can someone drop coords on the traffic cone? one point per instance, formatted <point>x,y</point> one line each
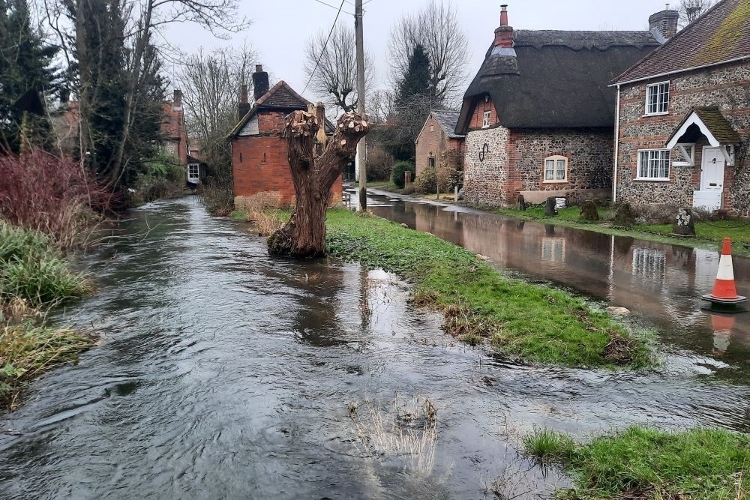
<point>724,291</point>
<point>722,326</point>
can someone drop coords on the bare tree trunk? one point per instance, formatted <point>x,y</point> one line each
<point>315,168</point>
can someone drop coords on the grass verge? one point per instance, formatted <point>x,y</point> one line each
<point>33,278</point>
<point>524,322</point>
<point>648,463</point>
<point>709,234</point>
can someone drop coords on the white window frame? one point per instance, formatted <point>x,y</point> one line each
<point>687,152</point>
<point>556,160</point>
<point>486,119</point>
<point>193,171</point>
<point>655,156</point>
<point>661,103</point>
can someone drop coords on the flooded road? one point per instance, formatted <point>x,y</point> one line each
<point>661,283</point>
<point>224,373</point>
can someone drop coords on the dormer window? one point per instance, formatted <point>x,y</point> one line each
<point>657,98</point>
<point>486,119</point>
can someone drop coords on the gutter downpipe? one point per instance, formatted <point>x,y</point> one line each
<point>617,145</point>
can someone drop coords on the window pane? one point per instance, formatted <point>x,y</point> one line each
<point>560,170</point>
<point>549,170</point>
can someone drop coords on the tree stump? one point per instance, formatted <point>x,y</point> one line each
<point>589,211</point>
<point>624,216</point>
<point>315,166</point>
<point>521,203</point>
<point>550,207</point>
<point>684,223</point>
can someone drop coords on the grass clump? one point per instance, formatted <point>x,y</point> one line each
<point>648,463</point>
<point>31,269</point>
<point>527,322</point>
<point>33,278</point>
<point>27,350</point>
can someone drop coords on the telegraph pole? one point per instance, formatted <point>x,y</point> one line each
<point>359,40</point>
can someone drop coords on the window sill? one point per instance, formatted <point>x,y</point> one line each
<point>651,179</point>
<point>656,114</point>
<point>564,181</point>
<point>682,164</point>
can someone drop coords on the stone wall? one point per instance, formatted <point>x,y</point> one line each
<point>589,153</point>
<point>485,176</point>
<point>727,87</point>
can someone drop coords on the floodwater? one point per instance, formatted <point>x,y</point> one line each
<point>224,373</point>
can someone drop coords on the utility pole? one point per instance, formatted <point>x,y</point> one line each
<point>359,40</point>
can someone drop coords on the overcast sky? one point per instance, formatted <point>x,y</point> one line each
<point>281,28</point>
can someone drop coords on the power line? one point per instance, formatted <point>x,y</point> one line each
<point>325,45</point>
<point>334,7</point>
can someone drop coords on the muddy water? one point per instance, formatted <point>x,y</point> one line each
<point>226,374</point>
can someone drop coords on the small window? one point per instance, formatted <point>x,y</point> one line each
<point>193,172</point>
<point>653,164</point>
<point>486,119</point>
<point>431,162</point>
<point>657,98</point>
<point>556,169</point>
<point>685,155</point>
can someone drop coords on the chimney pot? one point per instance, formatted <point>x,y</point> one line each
<point>504,34</point>
<point>177,99</point>
<point>260,82</point>
<point>243,107</point>
<point>504,15</point>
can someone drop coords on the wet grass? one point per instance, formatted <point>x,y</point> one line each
<point>524,322</point>
<point>28,350</point>
<point>648,463</point>
<point>33,279</point>
<point>709,234</point>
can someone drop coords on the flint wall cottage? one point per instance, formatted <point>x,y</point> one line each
<point>684,117</point>
<point>539,115</point>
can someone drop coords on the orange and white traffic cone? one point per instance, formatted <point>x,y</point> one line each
<point>724,291</point>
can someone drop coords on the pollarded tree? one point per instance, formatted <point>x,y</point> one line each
<point>316,163</point>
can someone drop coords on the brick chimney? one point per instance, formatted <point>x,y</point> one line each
<point>504,34</point>
<point>664,21</point>
<point>243,106</point>
<point>260,82</point>
<point>177,100</point>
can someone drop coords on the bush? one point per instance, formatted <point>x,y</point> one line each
<point>399,168</point>
<point>426,182</point>
<point>42,192</point>
<point>379,163</point>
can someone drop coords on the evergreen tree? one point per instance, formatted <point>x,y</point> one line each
<point>414,97</point>
<point>25,71</point>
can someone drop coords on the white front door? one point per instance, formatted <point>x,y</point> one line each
<point>712,180</point>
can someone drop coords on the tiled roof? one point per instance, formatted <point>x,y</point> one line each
<point>279,97</point>
<point>448,120</point>
<point>720,35</point>
<point>714,121</point>
<point>552,79</point>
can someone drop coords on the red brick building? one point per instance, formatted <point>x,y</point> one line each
<point>260,161</point>
<point>684,118</point>
<point>539,114</point>
<point>174,141</point>
<point>438,142</point>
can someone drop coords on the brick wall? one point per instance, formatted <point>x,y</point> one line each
<point>434,142</point>
<point>728,87</point>
<point>260,163</point>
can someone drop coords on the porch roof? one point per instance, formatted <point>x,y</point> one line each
<point>711,124</point>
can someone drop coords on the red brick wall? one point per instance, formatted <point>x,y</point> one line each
<point>260,164</point>
<point>430,143</point>
<point>477,119</point>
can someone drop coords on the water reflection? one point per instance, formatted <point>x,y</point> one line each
<point>661,282</point>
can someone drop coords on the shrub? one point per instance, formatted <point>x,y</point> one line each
<point>43,192</point>
<point>399,168</point>
<point>379,163</point>
<point>426,182</point>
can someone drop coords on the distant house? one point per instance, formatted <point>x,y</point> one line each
<point>684,117</point>
<point>259,151</point>
<point>438,142</point>
<point>539,115</point>
<point>173,134</point>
